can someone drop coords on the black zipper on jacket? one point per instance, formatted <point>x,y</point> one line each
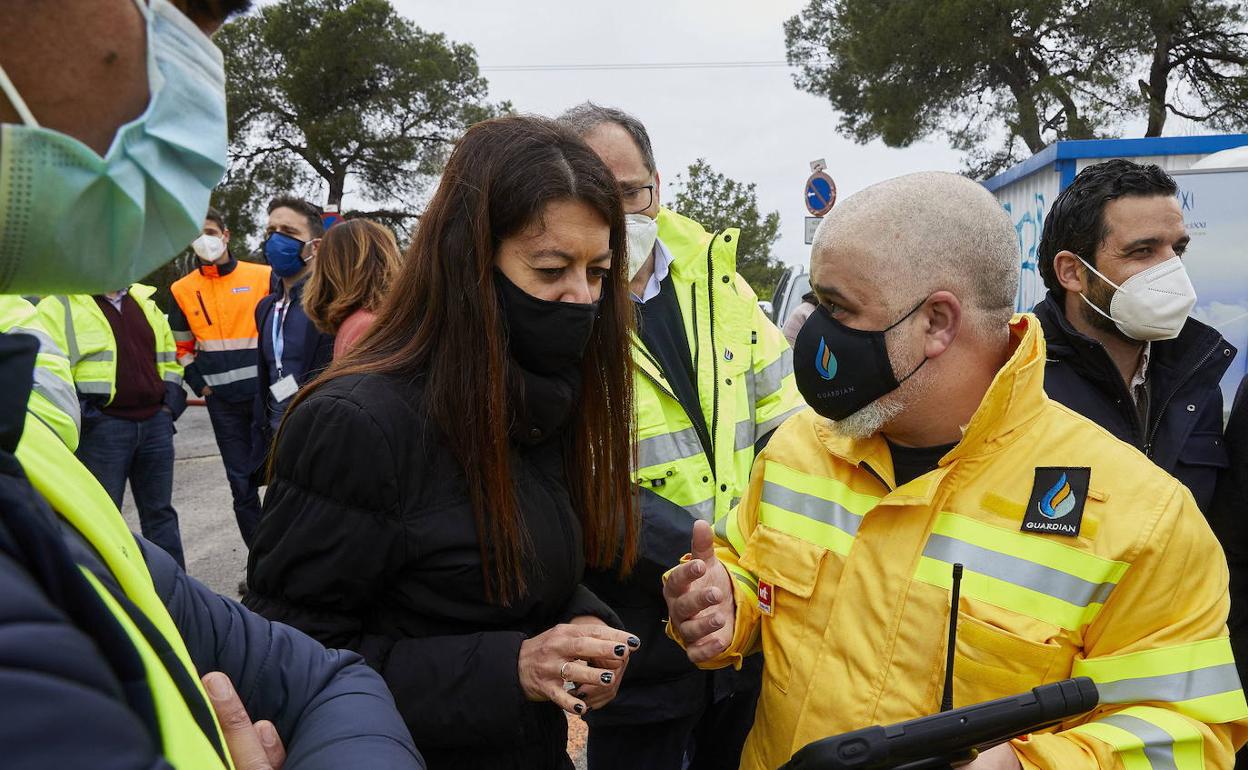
<point>697,342</point>
<point>697,369</point>
<point>710,310</point>
<point>203,307</point>
<point>1148,445</point>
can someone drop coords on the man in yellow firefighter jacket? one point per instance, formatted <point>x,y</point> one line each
<point>931,442</point>
<point>714,380</point>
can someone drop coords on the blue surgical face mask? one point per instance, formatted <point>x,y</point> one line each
<point>74,222</point>
<point>284,253</point>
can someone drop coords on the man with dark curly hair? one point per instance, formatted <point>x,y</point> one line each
<point>1122,350</point>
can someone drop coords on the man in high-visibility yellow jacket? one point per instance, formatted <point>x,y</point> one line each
<point>110,143</point>
<point>53,399</point>
<point>930,443</point>
<point>714,380</point>
<point>129,382</point>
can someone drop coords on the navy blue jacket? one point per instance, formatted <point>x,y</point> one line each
<point>1229,520</point>
<point>318,349</point>
<point>1184,431</point>
<point>71,686</point>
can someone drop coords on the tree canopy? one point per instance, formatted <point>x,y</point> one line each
<point>347,95</point>
<point>1004,78</point>
<point>716,202</point>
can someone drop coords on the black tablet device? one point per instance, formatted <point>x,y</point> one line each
<point>940,739</point>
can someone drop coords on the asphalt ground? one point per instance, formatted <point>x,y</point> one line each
<point>215,554</point>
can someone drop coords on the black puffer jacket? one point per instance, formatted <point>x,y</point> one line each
<point>1184,434</point>
<point>368,542</point>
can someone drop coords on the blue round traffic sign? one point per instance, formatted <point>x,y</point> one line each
<point>820,194</point>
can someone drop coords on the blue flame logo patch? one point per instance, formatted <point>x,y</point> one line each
<point>1058,501</point>
<point>825,362</point>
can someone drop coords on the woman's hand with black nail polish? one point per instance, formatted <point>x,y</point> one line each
<point>587,653</point>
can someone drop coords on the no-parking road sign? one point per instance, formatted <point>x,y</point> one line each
<point>820,193</point>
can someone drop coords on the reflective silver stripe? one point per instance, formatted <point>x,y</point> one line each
<point>173,377</point>
<point>1171,688</point>
<point>776,422</point>
<point>744,435</point>
<point>234,375</point>
<point>94,388</point>
<point>166,357</point>
<point>241,343</point>
<point>98,357</point>
<point>1158,744</point>
<point>745,581</point>
<point>1020,572</point>
<point>59,393</point>
<point>186,360</point>
<point>704,510</point>
<point>183,336</point>
<point>70,338</point>
<point>46,343</point>
<point>773,374</point>
<point>667,447</point>
<point>811,507</point>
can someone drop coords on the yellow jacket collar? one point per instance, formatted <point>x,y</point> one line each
<point>688,242</point>
<point>1015,398</point>
<point>141,291</point>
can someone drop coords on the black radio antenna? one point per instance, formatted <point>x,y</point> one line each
<point>946,699</point>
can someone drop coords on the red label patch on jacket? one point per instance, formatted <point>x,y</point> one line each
<point>766,593</point>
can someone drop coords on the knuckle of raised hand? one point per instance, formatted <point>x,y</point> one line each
<point>235,718</point>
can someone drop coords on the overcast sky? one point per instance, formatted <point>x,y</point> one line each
<point>749,123</point>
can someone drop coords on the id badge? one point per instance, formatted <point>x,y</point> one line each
<point>284,388</point>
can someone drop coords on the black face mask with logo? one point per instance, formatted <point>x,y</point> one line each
<point>840,370</point>
<point>545,337</point>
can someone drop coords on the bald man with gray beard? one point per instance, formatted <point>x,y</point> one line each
<point>930,443</point>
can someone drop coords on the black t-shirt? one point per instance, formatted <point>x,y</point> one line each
<point>662,329</point>
<point>911,462</point>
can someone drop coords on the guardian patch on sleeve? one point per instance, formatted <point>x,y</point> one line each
<point>1057,498</point>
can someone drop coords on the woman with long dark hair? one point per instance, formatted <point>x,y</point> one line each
<point>435,496</point>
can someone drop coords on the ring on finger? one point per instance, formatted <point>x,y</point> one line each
<point>568,685</point>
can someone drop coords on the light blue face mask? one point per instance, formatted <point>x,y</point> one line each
<point>73,222</point>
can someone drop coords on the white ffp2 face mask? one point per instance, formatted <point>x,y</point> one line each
<point>208,248</point>
<point>642,233</point>
<point>1151,305</point>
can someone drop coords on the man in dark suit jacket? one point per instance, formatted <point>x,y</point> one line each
<point>1228,515</point>
<point>1130,358</point>
<point>291,351</point>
